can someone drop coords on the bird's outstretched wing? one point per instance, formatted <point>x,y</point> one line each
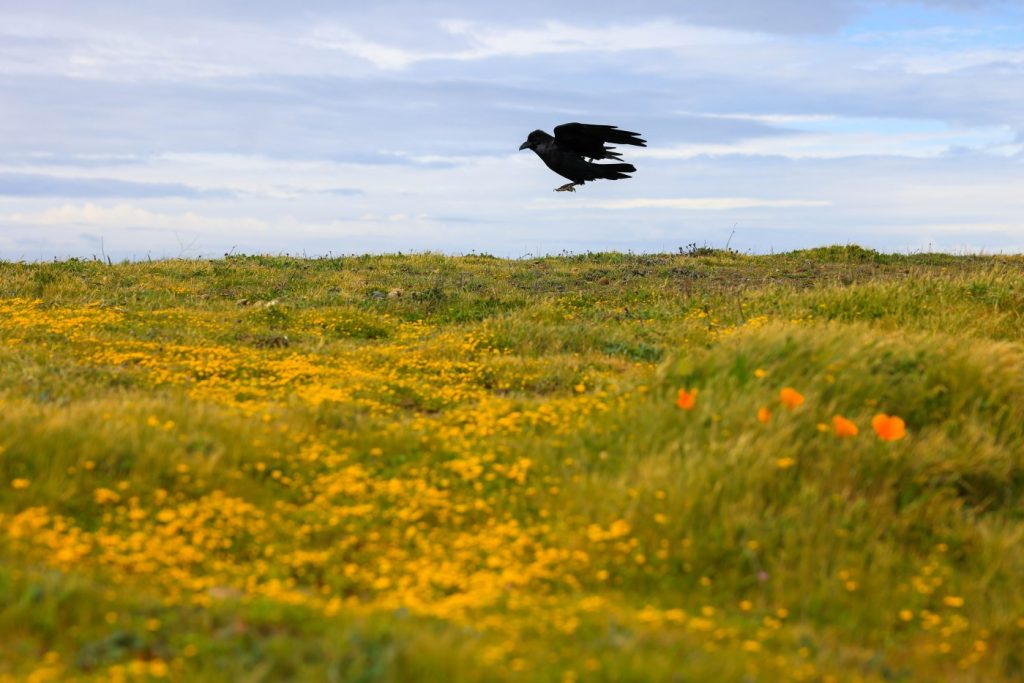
<point>589,140</point>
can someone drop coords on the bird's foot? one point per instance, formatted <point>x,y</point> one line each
<point>568,187</point>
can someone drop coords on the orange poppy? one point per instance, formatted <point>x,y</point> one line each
<point>843,427</point>
<point>763,415</point>
<point>686,399</point>
<point>889,427</point>
<point>791,398</point>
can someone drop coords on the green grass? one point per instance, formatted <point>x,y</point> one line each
<point>423,468</point>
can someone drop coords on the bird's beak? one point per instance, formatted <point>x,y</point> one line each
<point>525,145</point>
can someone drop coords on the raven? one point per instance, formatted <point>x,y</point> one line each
<point>568,152</point>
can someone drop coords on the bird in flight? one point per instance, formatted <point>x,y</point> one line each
<point>572,150</point>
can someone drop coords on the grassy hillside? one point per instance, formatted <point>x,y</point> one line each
<point>421,468</point>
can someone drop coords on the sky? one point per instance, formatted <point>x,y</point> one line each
<point>195,128</point>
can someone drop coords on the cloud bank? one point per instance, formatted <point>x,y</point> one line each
<point>315,128</point>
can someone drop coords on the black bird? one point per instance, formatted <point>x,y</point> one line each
<point>574,147</point>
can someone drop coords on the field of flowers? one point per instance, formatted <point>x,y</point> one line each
<point>691,467</point>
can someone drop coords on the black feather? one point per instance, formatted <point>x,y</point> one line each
<point>590,140</point>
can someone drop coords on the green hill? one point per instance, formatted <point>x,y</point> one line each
<point>582,468</point>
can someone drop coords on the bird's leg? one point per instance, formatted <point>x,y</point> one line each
<point>568,187</point>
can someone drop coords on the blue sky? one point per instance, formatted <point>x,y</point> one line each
<point>195,128</point>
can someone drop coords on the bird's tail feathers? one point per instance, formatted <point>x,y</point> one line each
<point>615,171</point>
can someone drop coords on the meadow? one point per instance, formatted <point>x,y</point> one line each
<point>701,466</point>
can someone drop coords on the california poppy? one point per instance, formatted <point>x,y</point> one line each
<point>791,398</point>
<point>843,427</point>
<point>889,427</point>
<point>686,399</point>
<point>763,415</point>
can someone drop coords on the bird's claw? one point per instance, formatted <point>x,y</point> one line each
<point>568,187</point>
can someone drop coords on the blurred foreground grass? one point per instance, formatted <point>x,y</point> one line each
<point>422,468</point>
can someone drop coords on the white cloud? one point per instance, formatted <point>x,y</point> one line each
<point>122,216</point>
<point>837,145</point>
<point>943,63</point>
<point>347,41</point>
<point>773,119</point>
<point>546,38</point>
<point>704,203</point>
<point>552,37</point>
